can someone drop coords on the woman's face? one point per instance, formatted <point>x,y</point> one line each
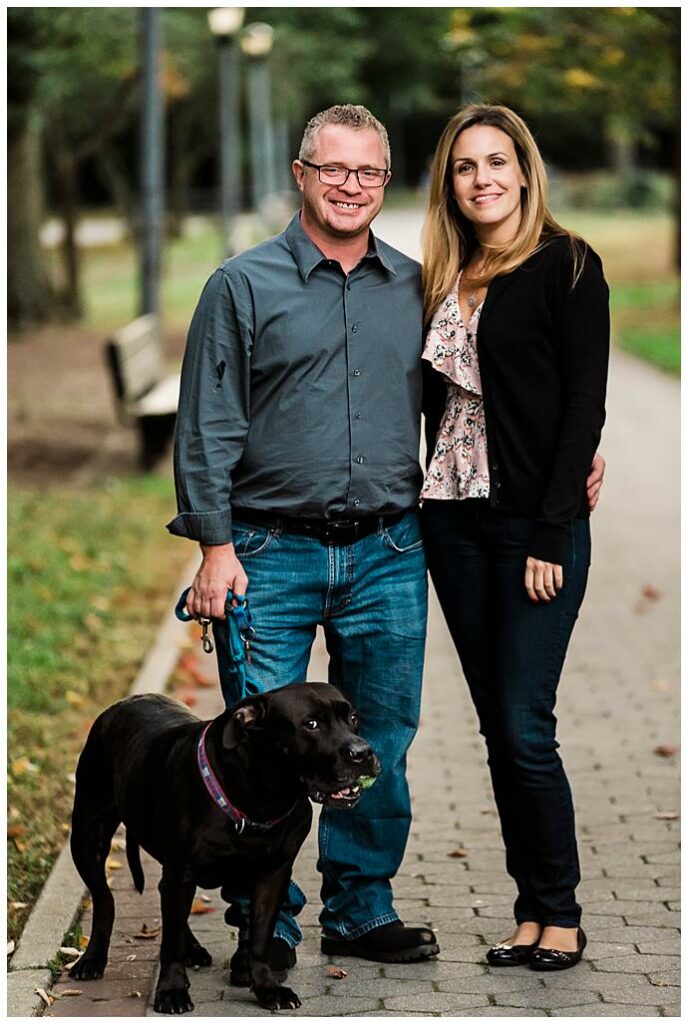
<point>487,181</point>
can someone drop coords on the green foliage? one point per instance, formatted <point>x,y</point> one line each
<point>616,65</point>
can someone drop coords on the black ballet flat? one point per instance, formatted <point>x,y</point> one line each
<point>510,956</point>
<point>558,959</point>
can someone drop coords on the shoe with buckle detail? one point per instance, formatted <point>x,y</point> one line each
<point>558,959</point>
<point>503,955</point>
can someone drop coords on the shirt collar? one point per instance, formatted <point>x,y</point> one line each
<point>307,255</point>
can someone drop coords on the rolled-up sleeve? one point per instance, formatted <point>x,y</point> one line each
<point>213,415</point>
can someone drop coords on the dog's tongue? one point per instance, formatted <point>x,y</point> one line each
<point>342,793</point>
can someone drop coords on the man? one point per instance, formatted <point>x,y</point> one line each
<point>296,466</point>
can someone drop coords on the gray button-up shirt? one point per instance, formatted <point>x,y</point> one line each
<point>301,388</point>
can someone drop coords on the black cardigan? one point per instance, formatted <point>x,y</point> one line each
<point>543,350</point>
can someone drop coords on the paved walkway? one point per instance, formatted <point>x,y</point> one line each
<point>618,704</point>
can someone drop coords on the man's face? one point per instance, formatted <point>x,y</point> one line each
<point>341,211</point>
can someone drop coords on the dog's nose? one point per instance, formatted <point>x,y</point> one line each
<point>358,751</point>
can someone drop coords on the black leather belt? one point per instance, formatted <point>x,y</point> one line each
<point>327,531</point>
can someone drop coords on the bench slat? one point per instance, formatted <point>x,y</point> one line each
<point>162,399</point>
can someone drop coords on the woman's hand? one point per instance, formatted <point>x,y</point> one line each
<point>543,579</point>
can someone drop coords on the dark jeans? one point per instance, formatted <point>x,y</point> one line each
<point>512,652</point>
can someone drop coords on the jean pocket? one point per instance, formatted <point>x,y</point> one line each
<point>404,536</point>
<point>251,540</point>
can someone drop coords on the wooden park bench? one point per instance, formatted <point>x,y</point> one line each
<point>145,395</point>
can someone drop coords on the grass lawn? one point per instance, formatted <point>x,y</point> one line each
<point>90,575</point>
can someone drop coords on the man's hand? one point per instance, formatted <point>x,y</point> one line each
<point>595,480</point>
<point>543,579</point>
<point>220,571</point>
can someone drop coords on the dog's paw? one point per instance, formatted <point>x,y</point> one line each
<point>88,968</point>
<point>173,1000</point>
<point>280,998</point>
<point>198,956</point>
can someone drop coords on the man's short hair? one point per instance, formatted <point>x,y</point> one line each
<point>348,115</point>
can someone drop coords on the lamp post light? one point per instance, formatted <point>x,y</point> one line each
<point>224,23</point>
<point>256,43</point>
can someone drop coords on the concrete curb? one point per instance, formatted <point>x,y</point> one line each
<point>58,904</point>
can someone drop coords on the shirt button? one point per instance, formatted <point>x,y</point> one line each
<point>357,415</point>
<point>357,373</point>
<point>360,459</point>
<point>495,466</point>
<point>357,502</point>
<point>354,329</point>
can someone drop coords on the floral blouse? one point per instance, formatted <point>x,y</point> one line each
<point>459,465</point>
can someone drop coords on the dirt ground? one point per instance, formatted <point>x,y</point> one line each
<point>62,425</point>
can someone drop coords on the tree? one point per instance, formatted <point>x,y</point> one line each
<point>30,299</point>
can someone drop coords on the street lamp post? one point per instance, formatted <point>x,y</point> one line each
<point>256,43</point>
<point>152,157</point>
<point>224,23</point>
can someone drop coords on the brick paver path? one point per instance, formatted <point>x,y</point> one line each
<point>618,703</point>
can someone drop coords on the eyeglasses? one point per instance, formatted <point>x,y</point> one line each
<point>367,177</point>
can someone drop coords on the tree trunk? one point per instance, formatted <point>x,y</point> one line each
<point>69,207</point>
<point>30,298</point>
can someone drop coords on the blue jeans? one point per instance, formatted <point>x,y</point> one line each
<point>371,599</point>
<point>512,653</point>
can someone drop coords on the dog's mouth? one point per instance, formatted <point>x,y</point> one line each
<point>347,796</point>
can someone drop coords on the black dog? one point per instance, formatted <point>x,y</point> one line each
<point>153,765</point>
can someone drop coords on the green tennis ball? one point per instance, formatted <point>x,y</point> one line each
<point>366,781</point>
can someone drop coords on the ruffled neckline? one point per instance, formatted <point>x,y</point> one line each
<point>450,345</point>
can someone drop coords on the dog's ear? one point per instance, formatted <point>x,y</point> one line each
<point>248,716</point>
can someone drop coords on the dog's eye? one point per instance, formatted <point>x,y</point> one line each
<point>311,724</point>
<point>354,719</point>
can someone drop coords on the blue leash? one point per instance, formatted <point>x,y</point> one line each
<point>240,634</point>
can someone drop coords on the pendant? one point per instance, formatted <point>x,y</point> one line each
<point>471,300</point>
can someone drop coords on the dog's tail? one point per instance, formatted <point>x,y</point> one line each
<point>134,860</point>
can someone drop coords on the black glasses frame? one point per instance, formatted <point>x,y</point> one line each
<point>347,171</point>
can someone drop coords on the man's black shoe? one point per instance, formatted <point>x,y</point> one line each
<point>282,958</point>
<point>389,944</point>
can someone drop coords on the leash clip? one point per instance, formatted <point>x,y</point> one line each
<point>240,825</point>
<point>206,640</point>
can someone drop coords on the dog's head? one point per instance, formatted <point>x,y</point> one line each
<point>309,730</point>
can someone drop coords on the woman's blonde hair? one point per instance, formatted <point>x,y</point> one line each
<point>449,238</point>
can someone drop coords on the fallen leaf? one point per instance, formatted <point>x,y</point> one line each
<point>17,905</point>
<point>69,966</point>
<point>651,593</point>
<point>660,685</point>
<point>658,984</point>
<point>197,907</point>
<point>190,666</point>
<point>71,992</point>
<point>23,765</point>
<point>147,933</point>
<point>48,1000</point>
<point>337,972</point>
<point>132,956</point>
<point>70,951</point>
<point>117,844</point>
<point>13,832</point>
<point>65,826</point>
<point>10,947</point>
<point>190,699</point>
<point>21,847</point>
<point>71,777</point>
<point>665,750</point>
<point>13,812</point>
<point>458,853</point>
<point>667,815</point>
<point>206,899</point>
<point>134,994</point>
<point>74,699</point>
<point>83,941</point>
<point>112,864</point>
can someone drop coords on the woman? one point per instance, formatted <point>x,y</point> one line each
<point>516,366</point>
